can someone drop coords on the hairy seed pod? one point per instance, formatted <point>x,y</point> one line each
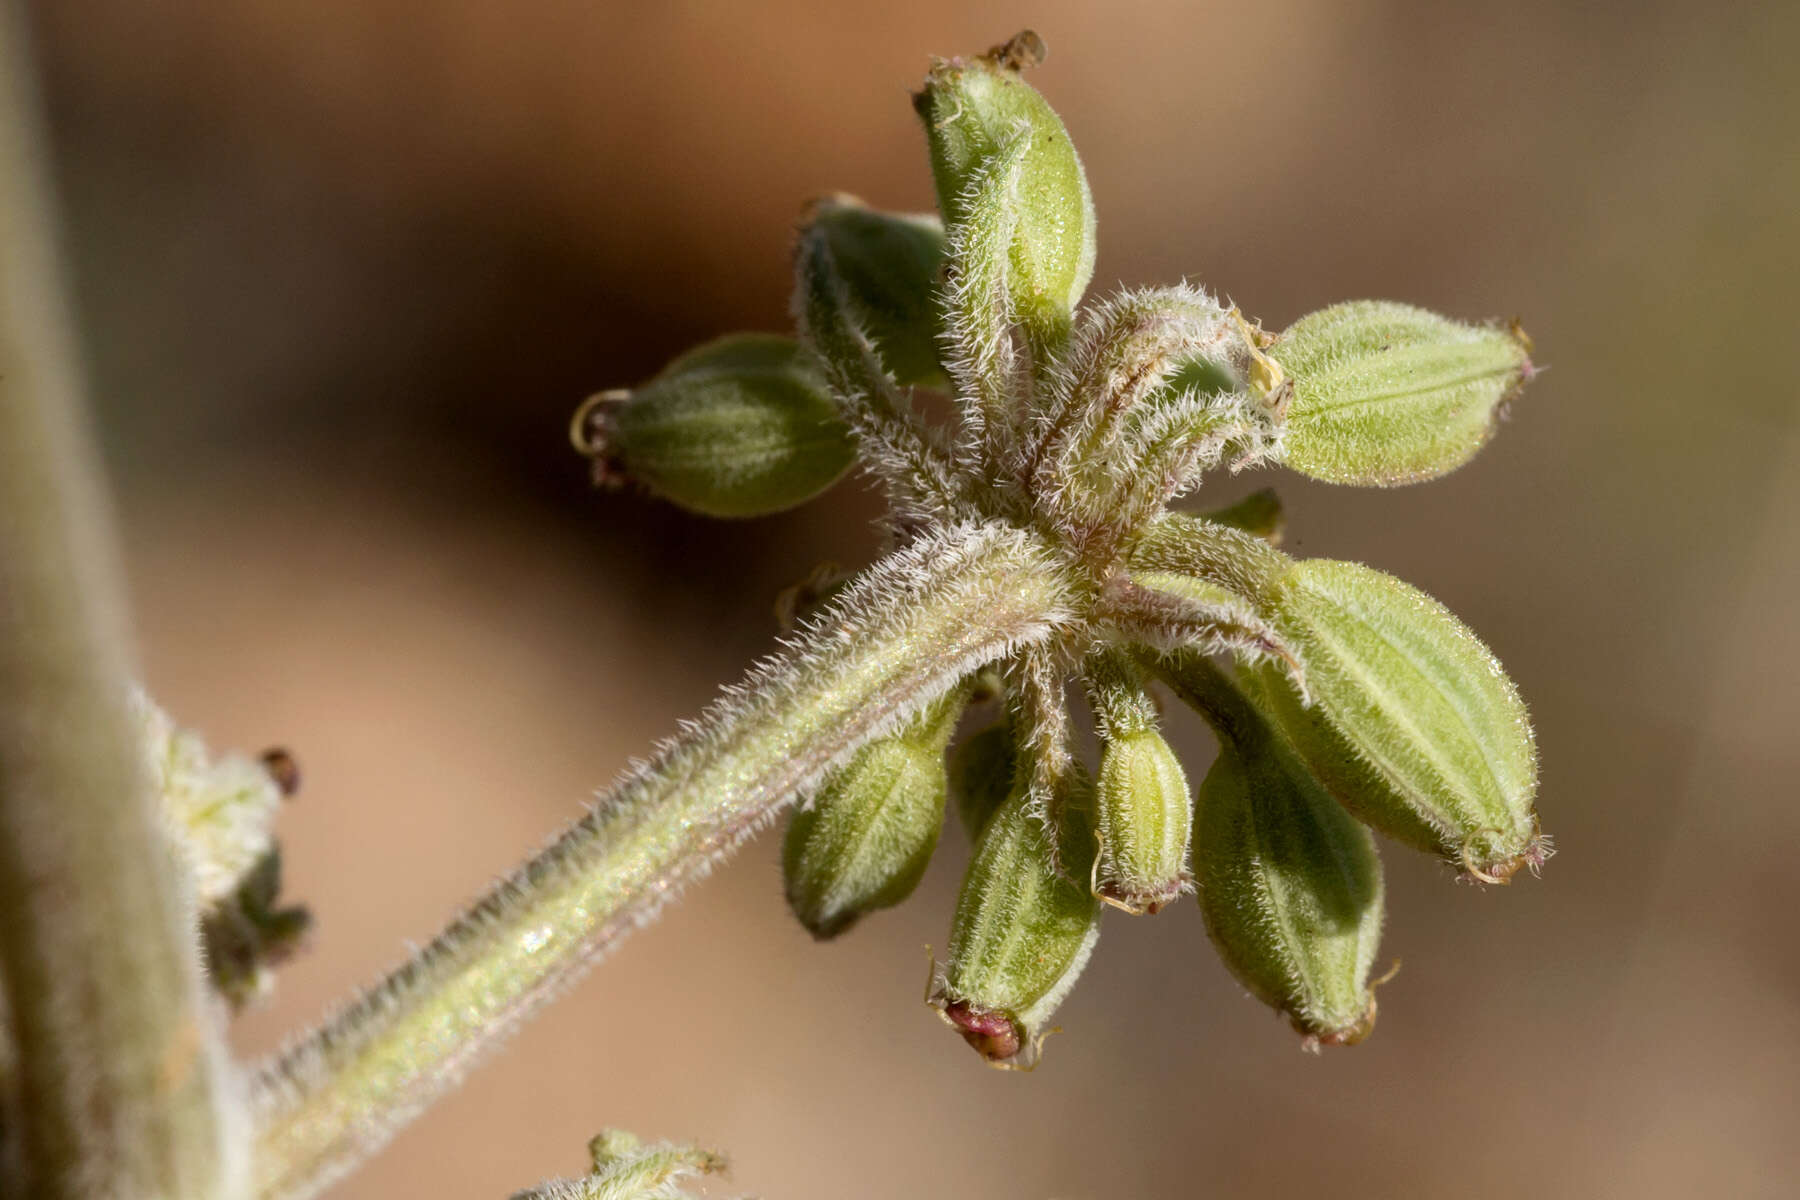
<point>889,263</point>
<point>1222,553</point>
<point>739,427</point>
<point>971,108</point>
<point>1289,883</point>
<point>981,775</point>
<point>1414,725</point>
<point>864,842</point>
<point>1387,394</point>
<point>1020,937</point>
<point>1142,813</point>
<point>1144,818</point>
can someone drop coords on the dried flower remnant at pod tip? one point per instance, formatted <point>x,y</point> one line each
<point>1349,701</point>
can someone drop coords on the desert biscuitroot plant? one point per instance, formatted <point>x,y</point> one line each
<point>1032,558</point>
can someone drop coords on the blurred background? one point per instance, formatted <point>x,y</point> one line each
<point>345,266</point>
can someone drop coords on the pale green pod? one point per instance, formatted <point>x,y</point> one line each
<point>1387,394</point>
<point>740,427</point>
<point>1143,816</point>
<point>864,842</point>
<point>1289,883</point>
<point>1413,725</point>
<point>1020,937</point>
<point>971,108</point>
<point>981,775</point>
<point>890,265</point>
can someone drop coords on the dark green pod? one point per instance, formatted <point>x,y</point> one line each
<point>1259,514</point>
<point>740,427</point>
<point>1021,935</point>
<point>864,842</point>
<point>1289,883</point>
<point>981,775</point>
<point>890,264</point>
<point>971,108</point>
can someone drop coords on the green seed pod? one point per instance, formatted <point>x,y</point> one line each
<point>865,840</point>
<point>971,109</point>
<point>1142,813</point>
<point>1413,725</point>
<point>1290,885</point>
<point>739,427</point>
<point>1259,514</point>
<point>889,262</point>
<point>1386,394</point>
<point>1021,935</point>
<point>981,775</point>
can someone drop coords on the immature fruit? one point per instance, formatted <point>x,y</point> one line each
<point>971,109</point>
<point>1289,883</point>
<point>1258,514</point>
<point>740,427</point>
<point>889,263</point>
<point>1144,817</point>
<point>1020,937</point>
<point>981,775</point>
<point>864,842</point>
<point>1413,725</point>
<point>1142,813</point>
<point>1386,393</point>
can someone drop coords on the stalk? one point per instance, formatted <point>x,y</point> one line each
<point>914,625</point>
<point>117,1084</point>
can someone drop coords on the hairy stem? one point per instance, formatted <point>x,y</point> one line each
<point>909,629</point>
<point>118,1079</point>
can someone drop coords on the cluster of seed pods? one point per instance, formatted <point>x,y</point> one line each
<point>1345,702</point>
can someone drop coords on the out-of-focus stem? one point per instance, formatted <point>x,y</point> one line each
<point>907,631</point>
<point>117,1075</point>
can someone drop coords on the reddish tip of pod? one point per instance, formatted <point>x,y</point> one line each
<point>994,1035</point>
<point>1350,1035</point>
<point>1501,871</point>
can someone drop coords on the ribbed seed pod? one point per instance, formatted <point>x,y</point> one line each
<point>1290,885</point>
<point>739,427</point>
<point>864,842</point>
<point>973,107</point>
<point>1387,394</point>
<point>890,264</point>
<point>1142,812</point>
<point>1414,725</point>
<point>981,775</point>
<point>1020,937</point>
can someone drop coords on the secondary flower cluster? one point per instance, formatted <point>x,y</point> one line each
<point>1344,700</point>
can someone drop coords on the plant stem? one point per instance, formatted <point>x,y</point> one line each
<point>118,1081</point>
<point>908,630</point>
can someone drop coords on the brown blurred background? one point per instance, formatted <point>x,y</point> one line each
<point>344,267</point>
